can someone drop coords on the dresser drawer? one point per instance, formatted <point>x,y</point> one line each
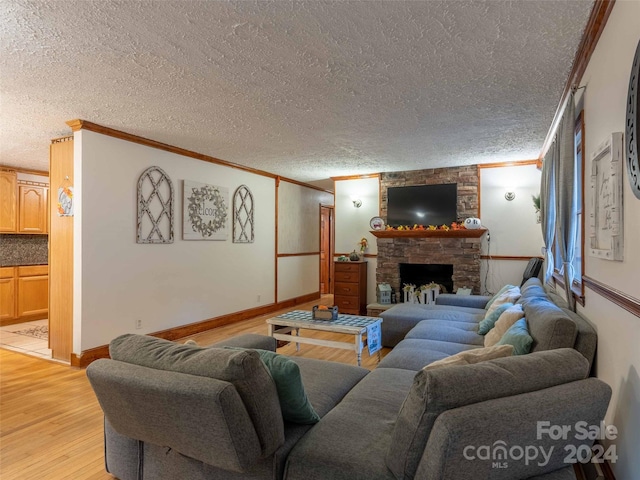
<point>347,289</point>
<point>347,267</point>
<point>347,276</point>
<point>346,304</point>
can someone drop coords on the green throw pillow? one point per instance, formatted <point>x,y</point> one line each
<point>491,318</point>
<point>518,336</point>
<point>500,292</point>
<point>294,403</point>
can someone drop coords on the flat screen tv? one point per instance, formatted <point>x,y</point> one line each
<point>422,205</point>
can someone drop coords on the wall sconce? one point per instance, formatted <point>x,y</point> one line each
<point>357,203</point>
<point>509,196</point>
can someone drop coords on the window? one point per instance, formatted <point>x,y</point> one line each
<point>578,259</point>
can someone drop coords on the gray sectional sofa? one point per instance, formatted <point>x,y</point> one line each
<point>177,411</point>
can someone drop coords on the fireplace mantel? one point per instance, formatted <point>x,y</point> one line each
<point>462,233</point>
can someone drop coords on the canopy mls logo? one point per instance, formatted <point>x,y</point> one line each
<point>500,453</point>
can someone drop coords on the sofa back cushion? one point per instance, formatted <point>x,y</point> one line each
<point>436,391</point>
<point>242,368</point>
<point>190,414</point>
<point>549,326</point>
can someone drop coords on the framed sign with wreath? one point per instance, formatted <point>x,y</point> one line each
<point>205,215</point>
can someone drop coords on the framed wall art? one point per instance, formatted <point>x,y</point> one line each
<point>155,207</point>
<point>205,212</point>
<point>632,130</point>
<point>243,215</point>
<point>606,215</point>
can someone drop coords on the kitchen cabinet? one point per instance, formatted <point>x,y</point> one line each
<point>33,291</point>
<point>7,293</point>
<point>8,201</point>
<point>24,293</point>
<point>350,290</point>
<point>32,209</point>
<point>23,204</point>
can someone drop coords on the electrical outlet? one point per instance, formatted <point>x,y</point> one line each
<point>138,323</point>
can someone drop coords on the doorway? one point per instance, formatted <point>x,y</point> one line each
<point>326,249</point>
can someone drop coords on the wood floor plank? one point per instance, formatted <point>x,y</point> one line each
<point>51,423</point>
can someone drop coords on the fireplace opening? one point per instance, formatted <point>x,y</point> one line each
<point>422,274</point>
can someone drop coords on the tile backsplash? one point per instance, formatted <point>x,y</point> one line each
<point>23,250</point>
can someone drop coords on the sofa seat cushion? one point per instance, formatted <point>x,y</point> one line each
<point>436,391</point>
<point>242,368</point>
<point>415,353</point>
<point>326,383</point>
<point>401,318</point>
<point>444,331</point>
<point>351,441</point>
<point>441,312</point>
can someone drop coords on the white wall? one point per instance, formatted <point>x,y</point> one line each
<point>299,232</point>
<point>352,223</point>
<point>513,230</point>
<point>618,357</point>
<point>118,281</point>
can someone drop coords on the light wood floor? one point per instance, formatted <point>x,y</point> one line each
<point>50,420</point>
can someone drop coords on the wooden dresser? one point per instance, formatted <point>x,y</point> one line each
<point>350,291</point>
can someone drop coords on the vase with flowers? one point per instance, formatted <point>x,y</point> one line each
<point>363,244</point>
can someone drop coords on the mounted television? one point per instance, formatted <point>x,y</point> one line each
<point>422,205</point>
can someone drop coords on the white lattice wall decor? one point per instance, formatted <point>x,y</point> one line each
<point>243,215</point>
<point>155,207</point>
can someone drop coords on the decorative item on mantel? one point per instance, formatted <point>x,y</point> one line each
<point>455,230</point>
<point>472,223</point>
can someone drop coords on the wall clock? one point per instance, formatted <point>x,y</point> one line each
<point>632,131</point>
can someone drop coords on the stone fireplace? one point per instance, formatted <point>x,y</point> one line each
<point>463,254</point>
<point>457,249</point>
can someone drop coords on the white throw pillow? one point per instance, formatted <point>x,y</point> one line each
<point>475,355</point>
<point>511,295</point>
<point>509,317</point>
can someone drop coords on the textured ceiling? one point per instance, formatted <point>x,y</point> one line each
<point>306,89</point>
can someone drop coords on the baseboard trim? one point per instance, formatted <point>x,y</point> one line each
<point>92,354</point>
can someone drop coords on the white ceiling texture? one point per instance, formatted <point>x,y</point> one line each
<point>307,89</point>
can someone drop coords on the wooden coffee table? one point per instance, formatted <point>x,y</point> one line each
<point>287,327</point>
